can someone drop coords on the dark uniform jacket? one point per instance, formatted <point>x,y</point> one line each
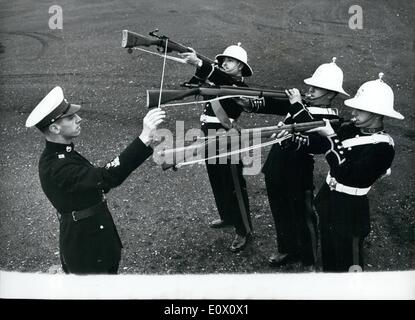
<point>210,74</point>
<point>220,176</point>
<point>72,183</point>
<point>291,169</point>
<point>289,182</point>
<point>357,166</point>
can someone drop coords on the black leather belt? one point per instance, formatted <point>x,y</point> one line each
<point>88,212</point>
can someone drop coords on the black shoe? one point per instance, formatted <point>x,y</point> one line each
<point>240,242</point>
<point>218,223</point>
<point>281,259</point>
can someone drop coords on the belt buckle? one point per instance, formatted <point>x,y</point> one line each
<point>332,183</point>
<point>73,216</point>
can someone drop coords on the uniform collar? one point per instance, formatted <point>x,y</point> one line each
<point>59,147</point>
<point>371,130</point>
<point>322,106</point>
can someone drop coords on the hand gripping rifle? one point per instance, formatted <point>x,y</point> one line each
<point>218,91</point>
<point>131,39</point>
<point>264,132</point>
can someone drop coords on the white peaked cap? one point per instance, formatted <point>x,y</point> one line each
<point>51,108</point>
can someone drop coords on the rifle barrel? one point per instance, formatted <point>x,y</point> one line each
<point>264,131</point>
<point>232,91</point>
<point>171,95</point>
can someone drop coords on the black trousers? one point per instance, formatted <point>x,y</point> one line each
<point>223,187</point>
<point>111,270</point>
<point>342,234</point>
<point>295,221</point>
<point>337,251</point>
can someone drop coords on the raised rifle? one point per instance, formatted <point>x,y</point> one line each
<point>131,39</point>
<point>217,91</point>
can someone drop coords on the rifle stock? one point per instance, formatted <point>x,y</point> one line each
<point>132,39</point>
<point>153,96</point>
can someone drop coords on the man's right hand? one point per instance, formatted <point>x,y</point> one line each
<point>150,122</point>
<point>294,95</point>
<point>191,58</point>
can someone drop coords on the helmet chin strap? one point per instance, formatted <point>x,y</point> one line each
<point>236,68</point>
<point>314,100</point>
<point>371,123</point>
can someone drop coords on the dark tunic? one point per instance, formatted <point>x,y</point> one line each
<point>72,183</point>
<point>289,182</point>
<point>344,216</point>
<point>220,175</point>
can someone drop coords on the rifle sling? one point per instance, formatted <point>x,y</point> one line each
<point>221,114</point>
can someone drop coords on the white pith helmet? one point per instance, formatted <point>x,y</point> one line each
<point>375,96</point>
<point>328,76</point>
<point>238,53</point>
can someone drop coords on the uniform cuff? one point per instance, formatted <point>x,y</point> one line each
<point>335,154</point>
<point>204,71</point>
<point>299,112</point>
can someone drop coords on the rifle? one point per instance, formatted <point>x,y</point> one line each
<point>218,91</point>
<point>268,132</point>
<point>264,132</point>
<point>131,39</point>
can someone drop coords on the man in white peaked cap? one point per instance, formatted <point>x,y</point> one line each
<point>358,154</point>
<point>89,242</point>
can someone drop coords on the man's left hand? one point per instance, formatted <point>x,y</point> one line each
<point>191,58</point>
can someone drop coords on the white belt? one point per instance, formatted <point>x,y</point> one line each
<point>209,119</point>
<point>334,185</point>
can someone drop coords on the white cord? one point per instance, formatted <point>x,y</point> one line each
<point>226,154</point>
<point>162,74</point>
